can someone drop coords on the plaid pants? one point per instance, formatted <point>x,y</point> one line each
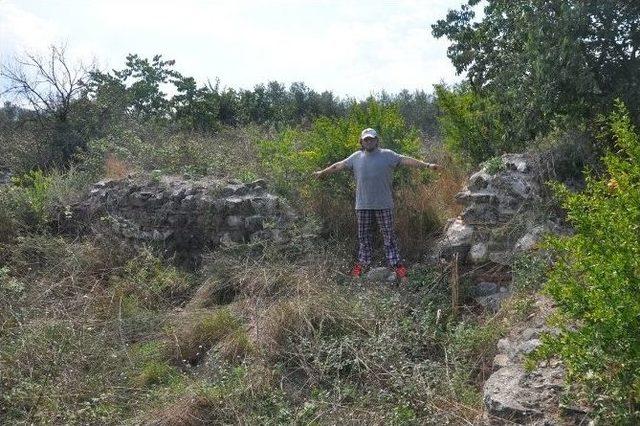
<point>365,237</point>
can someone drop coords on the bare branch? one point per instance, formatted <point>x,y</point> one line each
<point>48,84</point>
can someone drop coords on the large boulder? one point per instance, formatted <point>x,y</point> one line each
<point>182,217</point>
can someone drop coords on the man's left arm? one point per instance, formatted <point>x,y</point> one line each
<point>412,162</point>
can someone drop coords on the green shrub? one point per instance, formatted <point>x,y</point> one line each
<point>494,165</point>
<point>295,154</point>
<point>595,281</point>
<point>529,271</point>
<point>469,126</point>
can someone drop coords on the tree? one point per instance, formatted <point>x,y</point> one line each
<point>547,61</point>
<point>48,84</point>
<point>137,87</point>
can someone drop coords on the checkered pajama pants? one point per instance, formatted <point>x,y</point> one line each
<point>365,237</point>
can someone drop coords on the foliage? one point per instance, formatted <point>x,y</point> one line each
<point>545,62</point>
<point>529,271</point>
<point>595,280</point>
<point>192,155</point>
<point>468,123</point>
<point>494,165</point>
<point>155,284</point>
<point>35,185</point>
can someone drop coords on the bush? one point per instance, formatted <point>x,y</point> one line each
<point>469,127</point>
<point>595,281</point>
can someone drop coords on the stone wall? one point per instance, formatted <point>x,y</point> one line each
<point>503,213</point>
<point>182,217</point>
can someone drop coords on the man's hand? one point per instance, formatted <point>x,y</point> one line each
<point>412,162</point>
<point>335,167</point>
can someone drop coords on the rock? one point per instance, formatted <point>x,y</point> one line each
<point>530,239</point>
<point>235,222</point>
<point>253,223</point>
<point>5,176</point>
<point>513,394</point>
<point>500,361</point>
<point>530,333</point>
<point>479,253</point>
<point>234,189</point>
<point>492,302</point>
<point>238,205</point>
<point>504,396</point>
<point>380,274</point>
<point>482,197</point>
<point>506,201</point>
<point>528,346</point>
<point>479,181</point>
<point>258,183</point>
<point>516,162</point>
<point>480,214</point>
<point>458,239</point>
<point>485,289</point>
<point>501,257</point>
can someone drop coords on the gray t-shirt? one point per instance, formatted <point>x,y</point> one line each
<point>374,174</point>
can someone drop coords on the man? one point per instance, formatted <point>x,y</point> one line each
<point>373,170</point>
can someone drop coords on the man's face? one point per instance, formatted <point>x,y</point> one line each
<point>369,144</point>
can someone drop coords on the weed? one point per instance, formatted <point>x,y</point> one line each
<point>494,165</point>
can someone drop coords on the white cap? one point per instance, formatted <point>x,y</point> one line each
<point>368,133</point>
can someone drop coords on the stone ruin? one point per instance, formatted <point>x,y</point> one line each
<point>505,212</point>
<point>182,217</point>
<point>502,213</point>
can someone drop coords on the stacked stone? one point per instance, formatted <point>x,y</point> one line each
<point>532,396</point>
<point>183,217</point>
<point>499,214</point>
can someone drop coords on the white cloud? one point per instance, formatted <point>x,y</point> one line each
<point>23,30</point>
<point>349,47</point>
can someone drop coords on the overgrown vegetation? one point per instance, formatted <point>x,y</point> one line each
<point>95,331</point>
<point>595,281</point>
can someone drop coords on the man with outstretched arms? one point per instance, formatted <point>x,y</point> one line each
<point>372,168</point>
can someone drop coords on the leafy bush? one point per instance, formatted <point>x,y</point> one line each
<point>469,127</point>
<point>595,281</point>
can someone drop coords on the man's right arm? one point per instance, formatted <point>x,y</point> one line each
<point>335,167</point>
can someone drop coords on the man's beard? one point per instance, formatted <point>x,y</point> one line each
<point>370,147</point>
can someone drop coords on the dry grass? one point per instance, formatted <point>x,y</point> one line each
<point>115,168</point>
<point>195,332</point>
<point>422,211</point>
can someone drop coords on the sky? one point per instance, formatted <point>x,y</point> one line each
<point>352,48</point>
